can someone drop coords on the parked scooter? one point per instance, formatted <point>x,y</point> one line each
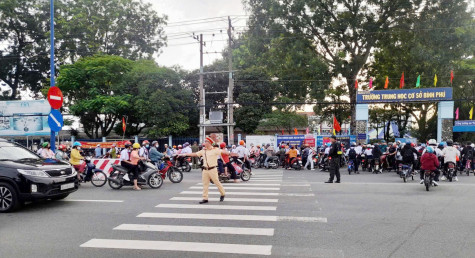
<point>149,175</point>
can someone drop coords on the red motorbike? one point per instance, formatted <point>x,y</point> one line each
<point>168,169</point>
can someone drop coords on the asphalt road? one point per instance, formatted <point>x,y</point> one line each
<point>277,213</point>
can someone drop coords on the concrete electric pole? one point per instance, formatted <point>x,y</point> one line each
<point>230,88</point>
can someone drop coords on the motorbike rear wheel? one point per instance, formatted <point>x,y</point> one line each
<point>112,184</point>
<point>404,179</point>
<point>155,180</point>
<point>99,179</point>
<point>175,176</point>
<point>427,183</point>
<point>188,167</point>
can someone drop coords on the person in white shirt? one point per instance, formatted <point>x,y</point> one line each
<point>143,151</point>
<point>359,149</point>
<point>450,156</point>
<point>243,154</point>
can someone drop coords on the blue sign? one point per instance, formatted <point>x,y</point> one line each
<point>361,136</point>
<point>465,123</point>
<point>345,139</point>
<point>291,139</point>
<point>409,95</point>
<point>55,120</point>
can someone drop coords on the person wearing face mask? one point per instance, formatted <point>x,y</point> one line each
<point>144,150</point>
<point>154,154</point>
<point>47,153</point>
<point>76,158</point>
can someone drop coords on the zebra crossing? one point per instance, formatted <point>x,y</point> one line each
<point>248,203</point>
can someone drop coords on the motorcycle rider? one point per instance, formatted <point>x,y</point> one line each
<point>243,154</point>
<point>377,153</point>
<point>269,153</point>
<point>369,157</point>
<point>353,156</point>
<point>292,156</point>
<point>450,156</point>
<point>76,158</point>
<point>429,161</point>
<point>46,152</point>
<point>408,152</point>
<point>144,150</point>
<point>61,153</point>
<point>392,152</point>
<point>154,155</point>
<point>228,166</point>
<point>468,154</point>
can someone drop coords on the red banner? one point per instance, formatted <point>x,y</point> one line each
<point>107,145</point>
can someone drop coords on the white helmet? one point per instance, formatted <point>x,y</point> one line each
<point>473,145</point>
<point>432,142</point>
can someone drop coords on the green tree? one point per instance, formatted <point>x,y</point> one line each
<point>335,104</point>
<point>23,58</point>
<point>90,87</point>
<point>250,112</point>
<point>284,120</point>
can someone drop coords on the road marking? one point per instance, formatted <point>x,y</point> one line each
<point>241,188</point>
<point>297,185</point>
<point>267,180</point>
<point>218,207</point>
<point>55,97</point>
<point>248,184</point>
<point>179,246</point>
<point>76,200</point>
<point>198,229</point>
<point>251,193</point>
<point>266,176</point>
<point>231,217</point>
<point>227,199</point>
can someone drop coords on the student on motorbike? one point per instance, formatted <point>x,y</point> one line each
<point>292,156</point>
<point>392,152</point>
<point>408,152</point>
<point>369,157</point>
<point>429,161</point>
<point>450,156</point>
<point>376,152</point>
<point>468,153</point>
<point>353,156</point>
<point>228,166</point>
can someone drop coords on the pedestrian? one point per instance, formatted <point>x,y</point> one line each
<point>309,151</point>
<point>195,160</point>
<point>334,161</point>
<point>98,151</point>
<point>210,163</point>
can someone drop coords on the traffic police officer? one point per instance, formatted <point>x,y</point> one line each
<point>334,154</point>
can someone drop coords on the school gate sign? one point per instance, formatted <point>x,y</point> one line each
<point>441,95</point>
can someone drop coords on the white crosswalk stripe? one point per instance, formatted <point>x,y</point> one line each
<point>255,216</point>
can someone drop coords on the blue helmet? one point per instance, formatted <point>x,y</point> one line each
<point>329,144</point>
<point>430,149</point>
<point>77,144</point>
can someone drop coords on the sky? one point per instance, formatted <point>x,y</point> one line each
<point>182,49</point>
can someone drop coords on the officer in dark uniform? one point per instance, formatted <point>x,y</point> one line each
<point>335,161</point>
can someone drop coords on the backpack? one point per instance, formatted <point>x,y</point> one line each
<point>469,154</point>
<point>352,154</point>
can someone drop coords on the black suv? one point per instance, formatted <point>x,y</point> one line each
<point>24,176</point>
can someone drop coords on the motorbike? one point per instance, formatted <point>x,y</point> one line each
<point>97,177</point>
<point>184,164</point>
<point>450,172</point>
<point>376,167</point>
<point>241,171</point>
<point>295,163</point>
<point>273,162</point>
<point>167,169</point>
<point>468,167</point>
<point>405,172</point>
<point>364,162</point>
<point>149,175</point>
<point>351,167</point>
<point>428,179</point>
<point>324,163</point>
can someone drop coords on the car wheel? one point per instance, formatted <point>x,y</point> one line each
<point>8,198</point>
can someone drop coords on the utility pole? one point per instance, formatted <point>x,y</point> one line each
<point>202,97</point>
<point>52,83</point>
<point>230,88</point>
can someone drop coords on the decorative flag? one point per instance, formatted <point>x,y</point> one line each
<point>386,83</point>
<point>451,76</point>
<point>418,83</point>
<point>123,124</point>
<point>296,131</point>
<point>356,84</point>
<point>282,132</point>
<point>401,82</point>
<point>370,83</point>
<point>457,114</point>
<point>435,80</point>
<point>334,133</point>
<point>471,113</point>
<point>336,125</point>
<point>306,131</point>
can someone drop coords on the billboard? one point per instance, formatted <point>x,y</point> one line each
<point>260,139</point>
<point>345,139</point>
<point>24,118</point>
<point>409,95</point>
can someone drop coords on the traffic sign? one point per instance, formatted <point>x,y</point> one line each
<point>55,120</point>
<point>55,97</point>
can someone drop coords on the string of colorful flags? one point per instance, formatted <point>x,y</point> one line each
<point>402,82</point>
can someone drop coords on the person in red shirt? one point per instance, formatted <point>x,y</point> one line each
<point>228,167</point>
<point>429,161</point>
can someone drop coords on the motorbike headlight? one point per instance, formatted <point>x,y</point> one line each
<point>35,173</point>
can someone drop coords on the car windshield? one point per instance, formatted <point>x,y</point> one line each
<point>16,153</point>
